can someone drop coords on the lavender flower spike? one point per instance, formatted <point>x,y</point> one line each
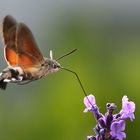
<point>128,109</point>
<point>110,126</point>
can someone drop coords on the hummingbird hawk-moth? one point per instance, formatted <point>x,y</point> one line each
<point>25,61</point>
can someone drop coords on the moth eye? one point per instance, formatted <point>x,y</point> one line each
<point>54,66</point>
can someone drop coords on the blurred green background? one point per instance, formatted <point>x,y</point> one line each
<point>107,36</point>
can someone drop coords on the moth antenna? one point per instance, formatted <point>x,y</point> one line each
<point>51,55</point>
<point>66,54</point>
<point>79,81</point>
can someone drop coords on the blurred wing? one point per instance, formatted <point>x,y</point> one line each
<point>21,48</point>
<point>9,31</point>
<point>9,26</point>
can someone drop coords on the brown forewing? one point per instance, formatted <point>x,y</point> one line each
<point>20,46</point>
<point>29,54</point>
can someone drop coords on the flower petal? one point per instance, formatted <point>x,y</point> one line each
<point>128,109</point>
<point>118,126</point>
<point>117,129</point>
<point>89,102</point>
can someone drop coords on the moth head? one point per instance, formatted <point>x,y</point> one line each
<point>52,65</point>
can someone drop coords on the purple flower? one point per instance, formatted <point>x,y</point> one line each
<point>89,102</point>
<point>117,129</point>
<point>128,109</point>
<point>110,126</point>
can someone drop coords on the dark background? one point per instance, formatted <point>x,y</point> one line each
<point>107,36</point>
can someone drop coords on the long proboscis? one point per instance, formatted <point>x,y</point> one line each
<point>79,81</point>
